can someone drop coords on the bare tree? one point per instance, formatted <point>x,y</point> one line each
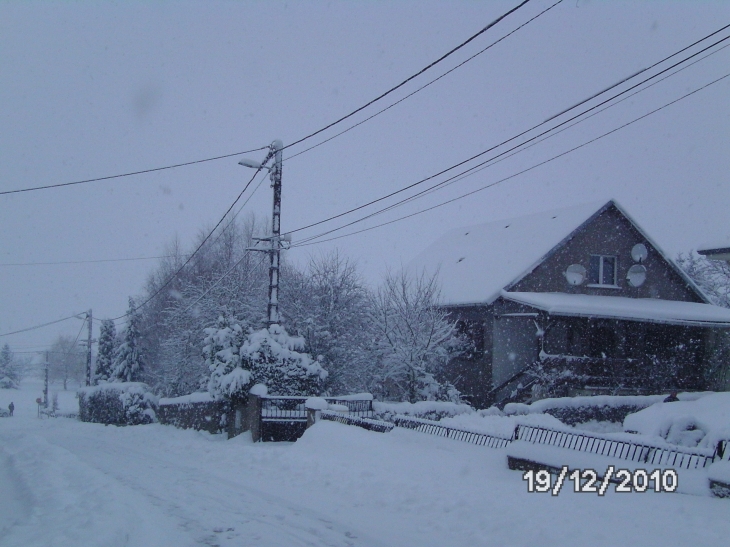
<point>67,361</point>
<point>328,304</point>
<point>713,277</point>
<point>413,339</point>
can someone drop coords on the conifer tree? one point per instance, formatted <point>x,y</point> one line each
<point>105,358</point>
<point>276,360</point>
<point>228,379</point>
<point>128,360</point>
<point>9,377</point>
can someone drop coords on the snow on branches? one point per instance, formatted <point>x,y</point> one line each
<point>276,360</point>
<point>128,361</point>
<point>105,358</point>
<point>9,375</point>
<point>413,339</point>
<point>266,356</point>
<point>228,380</point>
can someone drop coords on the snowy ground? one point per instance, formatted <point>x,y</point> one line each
<point>66,483</point>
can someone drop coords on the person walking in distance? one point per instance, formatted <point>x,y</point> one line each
<point>11,407</point>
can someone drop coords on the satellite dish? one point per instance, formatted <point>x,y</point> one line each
<point>639,252</point>
<point>636,275</point>
<point>575,274</point>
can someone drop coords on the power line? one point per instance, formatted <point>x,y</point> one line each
<point>515,150</point>
<point>404,82</point>
<point>309,136</point>
<point>447,182</point>
<point>174,275</point>
<point>131,173</point>
<point>459,164</point>
<point>41,326</point>
<point>86,261</point>
<point>309,241</point>
<point>426,84</point>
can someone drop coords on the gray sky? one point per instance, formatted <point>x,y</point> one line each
<point>96,89</point>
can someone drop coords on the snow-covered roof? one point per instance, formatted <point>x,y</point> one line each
<point>476,262</point>
<point>619,307</point>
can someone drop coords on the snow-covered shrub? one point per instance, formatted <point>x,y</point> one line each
<point>270,357</point>
<point>118,403</point>
<point>427,410</point>
<point>684,431</point>
<point>575,410</point>
<point>275,360</point>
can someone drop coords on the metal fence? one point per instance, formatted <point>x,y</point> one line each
<point>434,428</point>
<point>291,408</point>
<point>365,423</point>
<point>651,455</point>
<point>284,418</point>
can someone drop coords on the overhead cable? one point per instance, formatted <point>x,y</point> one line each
<point>494,147</point>
<point>511,152</point>
<point>40,326</point>
<point>424,86</point>
<point>309,136</point>
<point>310,242</point>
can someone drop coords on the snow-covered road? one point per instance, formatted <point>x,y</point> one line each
<point>66,483</point>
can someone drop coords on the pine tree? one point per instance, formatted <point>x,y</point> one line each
<point>228,379</point>
<point>275,360</point>
<point>105,358</point>
<point>9,377</point>
<point>128,360</point>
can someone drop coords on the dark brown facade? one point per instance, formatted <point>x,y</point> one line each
<point>520,352</point>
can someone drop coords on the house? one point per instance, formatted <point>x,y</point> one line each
<point>573,301</point>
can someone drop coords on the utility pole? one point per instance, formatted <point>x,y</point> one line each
<point>274,252</point>
<point>45,385</point>
<point>88,351</point>
<point>275,240</point>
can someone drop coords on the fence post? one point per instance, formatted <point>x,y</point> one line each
<point>254,416</point>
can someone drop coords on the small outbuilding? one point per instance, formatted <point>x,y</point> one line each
<point>572,302</point>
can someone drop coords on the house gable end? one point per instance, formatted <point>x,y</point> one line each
<point>611,234</point>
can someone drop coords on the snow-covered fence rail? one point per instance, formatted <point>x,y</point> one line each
<point>275,407</point>
<point>365,423</point>
<point>652,455</point>
<point>434,428</point>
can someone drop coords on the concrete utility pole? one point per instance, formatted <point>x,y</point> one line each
<point>274,252</point>
<point>88,351</point>
<point>45,385</point>
<point>275,240</point>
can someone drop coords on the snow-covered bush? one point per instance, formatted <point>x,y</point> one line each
<point>427,410</point>
<point>118,403</point>
<point>270,357</point>
<point>275,359</point>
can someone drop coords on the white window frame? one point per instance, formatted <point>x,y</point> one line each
<point>600,283</point>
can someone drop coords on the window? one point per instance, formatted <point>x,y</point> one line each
<point>602,270</point>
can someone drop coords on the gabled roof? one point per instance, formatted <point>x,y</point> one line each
<point>477,262</point>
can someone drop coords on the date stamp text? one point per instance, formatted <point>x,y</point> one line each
<point>590,481</point>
